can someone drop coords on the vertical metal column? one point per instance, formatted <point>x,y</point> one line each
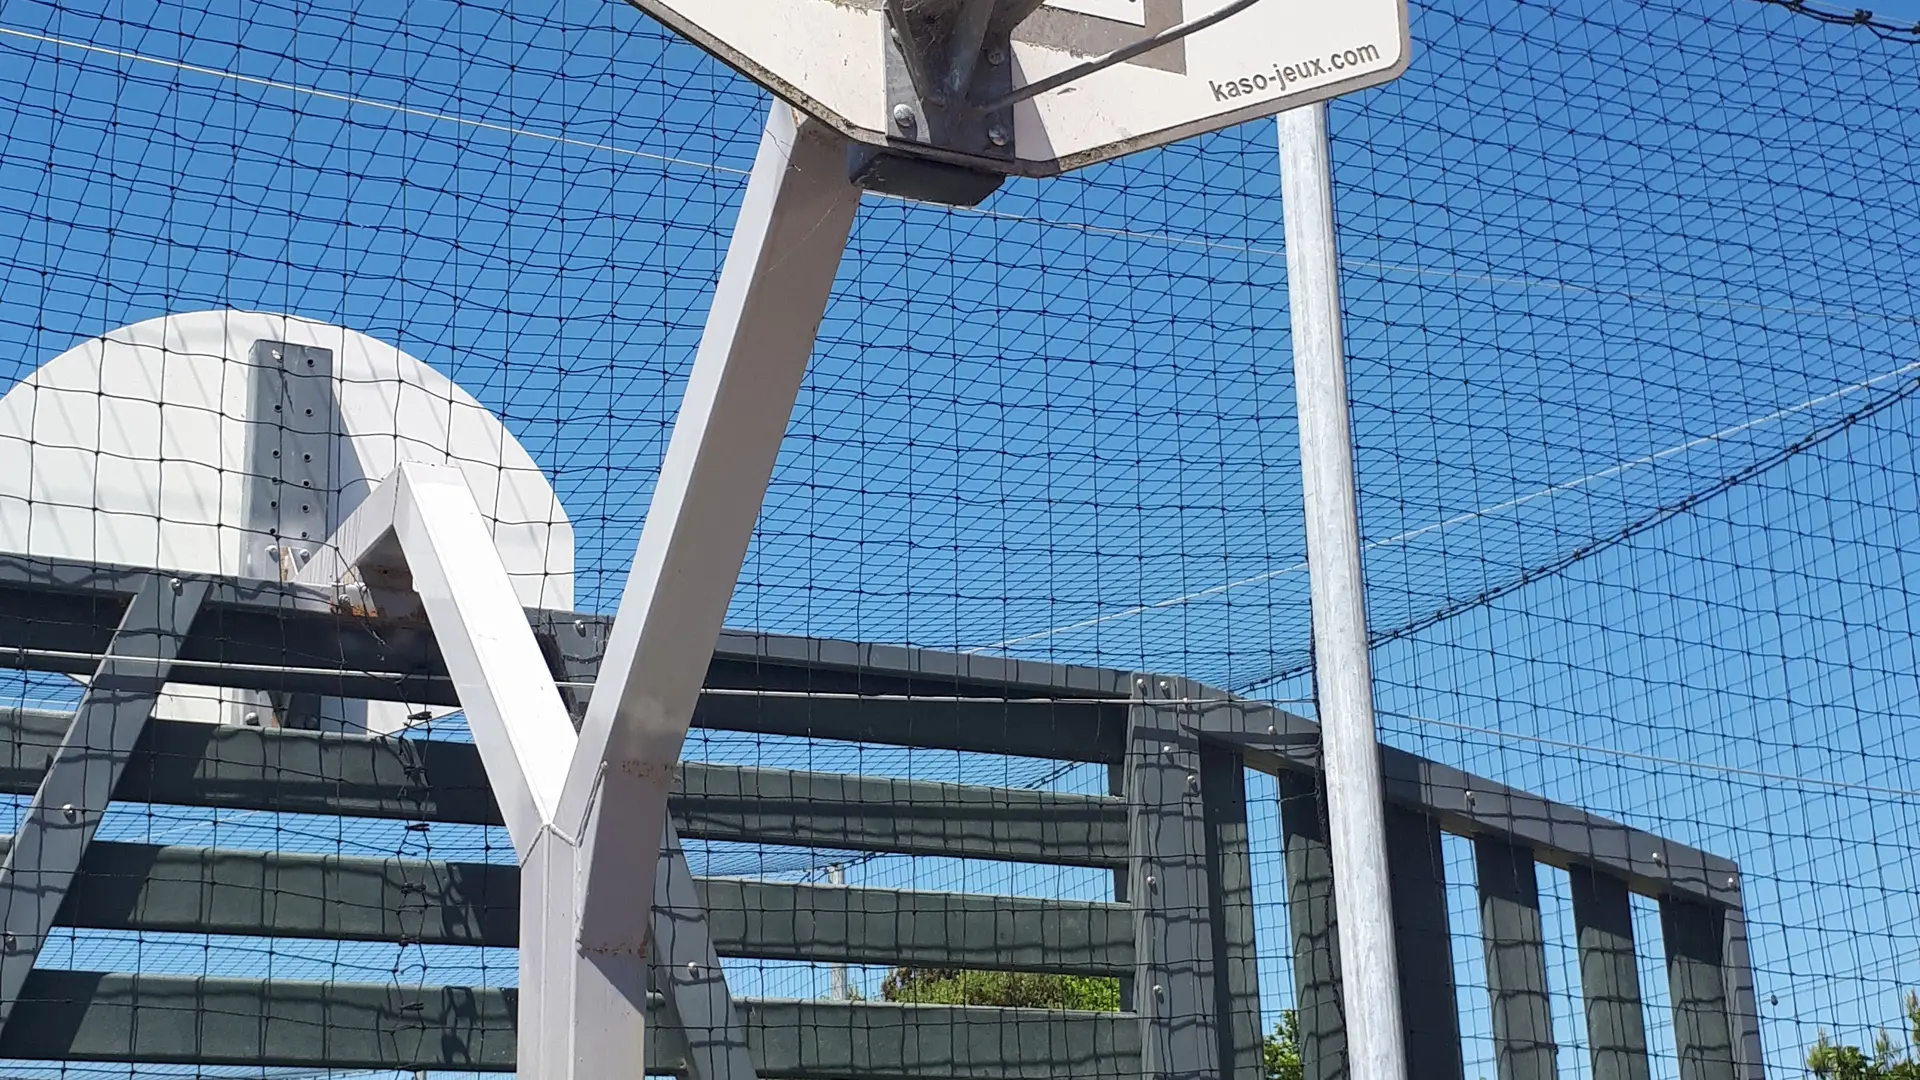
<point>1229,852</point>
<point>1516,960</point>
<point>73,795</point>
<point>1743,1004</point>
<point>1423,946</point>
<point>1609,976</point>
<point>1316,946</point>
<point>1343,675</point>
<point>1173,945</point>
<point>1701,1035</point>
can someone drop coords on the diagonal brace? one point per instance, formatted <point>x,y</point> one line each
<point>73,795</point>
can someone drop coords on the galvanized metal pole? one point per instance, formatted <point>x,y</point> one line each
<point>1349,747</point>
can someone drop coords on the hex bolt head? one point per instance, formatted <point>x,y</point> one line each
<point>903,117</point>
<point>997,135</point>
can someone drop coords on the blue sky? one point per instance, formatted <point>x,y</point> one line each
<point>1598,258</point>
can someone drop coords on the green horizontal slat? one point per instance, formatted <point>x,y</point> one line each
<point>167,1019</point>
<point>277,894</point>
<point>230,767</point>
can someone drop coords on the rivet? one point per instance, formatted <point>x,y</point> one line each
<point>1273,729</point>
<point>996,56</point>
<point>68,810</point>
<point>997,134</point>
<point>903,117</point>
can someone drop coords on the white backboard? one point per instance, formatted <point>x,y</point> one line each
<point>135,448</point>
<point>826,57</point>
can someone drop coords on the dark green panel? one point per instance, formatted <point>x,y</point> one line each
<point>1229,855</point>
<point>86,1016</point>
<point>1429,1008</point>
<point>1609,976</point>
<point>1516,958</point>
<point>435,780</point>
<point>257,893</point>
<point>1310,912</point>
<point>1702,1036</point>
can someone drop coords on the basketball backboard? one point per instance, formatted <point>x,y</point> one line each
<point>846,63</point>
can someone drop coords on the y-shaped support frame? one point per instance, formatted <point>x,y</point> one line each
<point>419,542</point>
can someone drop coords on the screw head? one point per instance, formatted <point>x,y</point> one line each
<point>997,135</point>
<point>1149,881</point>
<point>996,56</point>
<point>11,942</point>
<point>253,719</point>
<point>903,117</point>
<point>1158,990</point>
<point>1658,858</point>
<point>1167,748</point>
<point>69,811</point>
<point>1165,686</point>
<point>693,967</point>
<point>1730,881</point>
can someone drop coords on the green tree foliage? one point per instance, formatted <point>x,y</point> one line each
<point>1886,1062</point>
<point>1012,989</point>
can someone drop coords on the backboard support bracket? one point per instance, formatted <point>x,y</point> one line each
<point>940,59</point>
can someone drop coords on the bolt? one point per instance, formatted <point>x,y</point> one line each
<point>693,967</point>
<point>178,585</point>
<point>304,554</point>
<point>997,135</point>
<point>1273,729</point>
<point>1140,684</point>
<point>580,627</point>
<point>1149,881</point>
<point>1658,858</point>
<point>1165,686</point>
<point>1193,782</point>
<point>1158,990</point>
<point>69,811</point>
<point>1730,882</point>
<point>253,719</point>
<point>1167,749</point>
<point>996,56</point>
<point>1471,798</point>
<point>11,942</point>
<point>276,354</point>
<point>903,117</point>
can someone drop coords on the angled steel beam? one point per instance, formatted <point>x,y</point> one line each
<point>73,794</point>
<point>689,974</point>
<point>787,243</point>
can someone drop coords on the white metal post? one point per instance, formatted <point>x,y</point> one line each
<point>787,244</point>
<point>1350,748</point>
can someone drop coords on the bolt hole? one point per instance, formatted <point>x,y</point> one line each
<point>276,453</point>
<point>309,412</point>
<point>305,508</point>
<point>274,505</point>
<point>306,457</point>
